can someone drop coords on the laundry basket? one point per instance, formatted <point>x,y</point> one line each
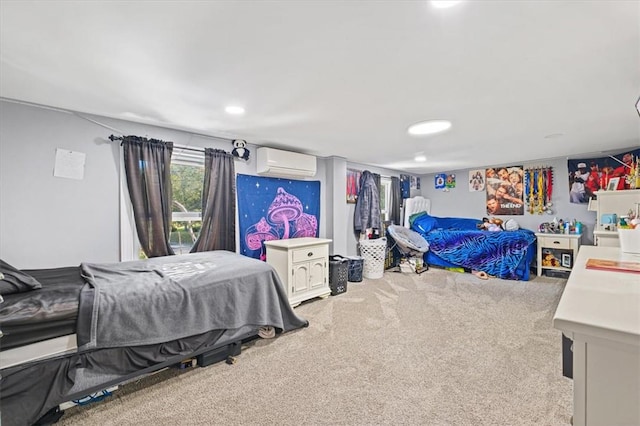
<point>338,274</point>
<point>373,252</point>
<point>355,268</point>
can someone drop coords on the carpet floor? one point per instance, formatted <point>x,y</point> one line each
<point>441,348</point>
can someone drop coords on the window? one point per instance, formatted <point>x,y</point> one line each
<point>187,178</point>
<point>385,198</point>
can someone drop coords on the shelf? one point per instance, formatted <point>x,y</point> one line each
<point>622,191</point>
<point>606,233</point>
<point>557,268</point>
<point>561,247</point>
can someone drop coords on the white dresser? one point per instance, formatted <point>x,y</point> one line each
<point>600,311</point>
<point>302,265</point>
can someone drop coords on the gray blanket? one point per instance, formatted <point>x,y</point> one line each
<point>166,298</point>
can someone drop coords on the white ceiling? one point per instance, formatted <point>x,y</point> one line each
<point>343,78</point>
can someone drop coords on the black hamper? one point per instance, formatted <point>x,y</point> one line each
<point>338,274</point>
<point>356,264</point>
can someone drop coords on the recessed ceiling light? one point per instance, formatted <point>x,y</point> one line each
<point>443,4</point>
<point>420,158</point>
<point>234,110</point>
<point>429,127</point>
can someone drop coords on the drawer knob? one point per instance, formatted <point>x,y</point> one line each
<point>556,242</point>
<point>310,254</point>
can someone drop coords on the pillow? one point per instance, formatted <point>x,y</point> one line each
<point>424,223</point>
<point>13,280</point>
<point>511,225</point>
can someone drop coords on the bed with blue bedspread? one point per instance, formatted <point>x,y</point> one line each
<point>457,242</point>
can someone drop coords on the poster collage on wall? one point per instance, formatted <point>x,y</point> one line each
<point>443,181</point>
<point>504,188</point>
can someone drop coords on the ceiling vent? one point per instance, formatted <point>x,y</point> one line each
<point>275,162</point>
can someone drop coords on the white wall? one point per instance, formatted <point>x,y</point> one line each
<point>460,202</point>
<point>352,239</point>
<point>47,221</point>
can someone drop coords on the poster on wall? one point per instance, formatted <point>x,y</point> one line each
<point>405,186</point>
<point>589,175</point>
<point>275,209</point>
<point>451,181</point>
<point>505,190</point>
<point>353,185</point>
<point>476,180</point>
<point>440,180</point>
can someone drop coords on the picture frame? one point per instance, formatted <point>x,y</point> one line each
<point>566,260</point>
<point>353,185</point>
<point>612,185</point>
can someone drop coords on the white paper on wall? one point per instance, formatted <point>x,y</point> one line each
<point>69,164</point>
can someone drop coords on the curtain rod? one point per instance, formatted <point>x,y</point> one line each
<point>114,138</point>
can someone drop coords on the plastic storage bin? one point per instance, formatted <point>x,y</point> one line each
<point>355,268</point>
<point>338,274</point>
<point>373,252</point>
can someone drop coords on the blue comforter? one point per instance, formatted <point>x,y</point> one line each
<point>457,242</point>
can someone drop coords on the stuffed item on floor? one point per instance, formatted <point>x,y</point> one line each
<point>481,274</point>
<point>267,332</point>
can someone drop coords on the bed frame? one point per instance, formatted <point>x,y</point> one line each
<point>38,378</point>
<point>415,205</point>
<point>502,267</point>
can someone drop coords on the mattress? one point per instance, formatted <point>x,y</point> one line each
<point>42,314</point>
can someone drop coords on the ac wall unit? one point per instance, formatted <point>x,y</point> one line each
<point>275,162</point>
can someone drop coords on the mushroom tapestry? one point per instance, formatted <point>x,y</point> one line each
<point>275,209</point>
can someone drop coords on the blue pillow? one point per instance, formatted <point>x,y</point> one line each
<point>424,223</point>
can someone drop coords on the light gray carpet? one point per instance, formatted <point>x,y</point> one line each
<point>442,348</point>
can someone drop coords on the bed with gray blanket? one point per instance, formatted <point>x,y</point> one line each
<point>136,317</point>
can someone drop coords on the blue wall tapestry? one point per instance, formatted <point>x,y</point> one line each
<point>275,209</point>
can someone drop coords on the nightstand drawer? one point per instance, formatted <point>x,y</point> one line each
<point>550,242</point>
<point>309,253</point>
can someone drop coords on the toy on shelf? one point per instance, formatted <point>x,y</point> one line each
<point>240,149</point>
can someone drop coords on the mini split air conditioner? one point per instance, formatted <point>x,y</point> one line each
<point>275,162</point>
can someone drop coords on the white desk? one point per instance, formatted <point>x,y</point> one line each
<point>600,311</point>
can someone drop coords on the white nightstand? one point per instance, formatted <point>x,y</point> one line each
<point>563,248</point>
<point>302,265</point>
